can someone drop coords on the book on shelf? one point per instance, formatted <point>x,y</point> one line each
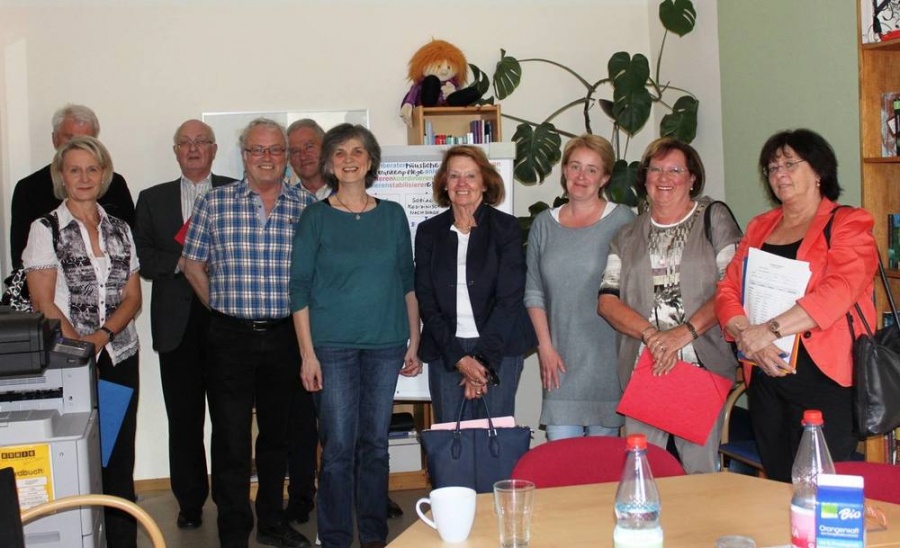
<point>893,243</point>
<point>890,118</point>
<point>881,25</point>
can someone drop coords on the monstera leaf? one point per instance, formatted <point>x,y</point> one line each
<point>681,123</point>
<point>537,151</point>
<point>678,16</point>
<point>631,98</point>
<point>621,184</point>
<point>533,211</point>
<point>507,76</point>
<point>481,82</point>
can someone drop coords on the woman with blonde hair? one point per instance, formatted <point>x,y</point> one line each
<point>567,250</point>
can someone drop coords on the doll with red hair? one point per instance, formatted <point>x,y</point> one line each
<point>437,70</point>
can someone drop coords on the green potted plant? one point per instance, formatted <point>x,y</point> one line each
<point>634,93</point>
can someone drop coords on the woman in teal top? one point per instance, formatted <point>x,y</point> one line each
<point>357,324</point>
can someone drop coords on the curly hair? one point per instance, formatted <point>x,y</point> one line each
<point>435,52</point>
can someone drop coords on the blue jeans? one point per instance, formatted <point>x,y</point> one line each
<point>446,393</point>
<point>563,431</point>
<point>354,409</point>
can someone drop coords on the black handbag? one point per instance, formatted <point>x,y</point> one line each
<point>876,372</point>
<point>474,457</point>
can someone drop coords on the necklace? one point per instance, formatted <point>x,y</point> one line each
<point>365,205</point>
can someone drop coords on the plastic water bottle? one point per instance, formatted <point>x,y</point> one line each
<point>637,500</point>
<point>812,459</point>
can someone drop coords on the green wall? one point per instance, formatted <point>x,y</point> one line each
<point>787,64</point>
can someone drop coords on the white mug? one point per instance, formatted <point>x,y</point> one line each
<point>453,509</point>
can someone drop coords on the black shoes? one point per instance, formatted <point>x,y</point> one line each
<point>298,514</point>
<point>186,521</point>
<point>394,510</point>
<point>282,535</point>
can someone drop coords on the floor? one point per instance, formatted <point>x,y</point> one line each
<point>162,507</point>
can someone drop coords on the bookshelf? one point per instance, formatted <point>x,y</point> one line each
<point>452,121</point>
<point>879,72</point>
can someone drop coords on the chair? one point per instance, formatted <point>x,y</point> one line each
<point>12,535</point>
<point>591,459</point>
<point>738,443</point>
<point>882,481</point>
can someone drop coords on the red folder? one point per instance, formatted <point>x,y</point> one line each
<point>182,232</point>
<point>686,402</point>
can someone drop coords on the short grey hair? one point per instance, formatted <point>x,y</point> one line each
<point>79,113</point>
<point>265,122</point>
<point>212,133</point>
<point>307,123</point>
<point>92,146</point>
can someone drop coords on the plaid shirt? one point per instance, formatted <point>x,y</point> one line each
<point>249,264</point>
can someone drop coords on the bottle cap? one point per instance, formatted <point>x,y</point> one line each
<point>812,416</point>
<point>636,441</point>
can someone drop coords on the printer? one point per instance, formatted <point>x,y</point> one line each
<point>49,426</point>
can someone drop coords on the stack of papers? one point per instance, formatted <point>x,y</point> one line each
<point>772,285</point>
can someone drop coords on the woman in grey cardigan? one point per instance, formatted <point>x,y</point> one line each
<point>660,283</point>
<point>567,249</point>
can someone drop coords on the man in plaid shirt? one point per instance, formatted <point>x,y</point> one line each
<point>237,258</point>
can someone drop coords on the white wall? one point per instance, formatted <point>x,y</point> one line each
<point>146,66</point>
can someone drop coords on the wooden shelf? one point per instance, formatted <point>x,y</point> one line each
<point>880,176</point>
<point>887,45</point>
<point>452,121</point>
<point>423,418</point>
<point>882,160</point>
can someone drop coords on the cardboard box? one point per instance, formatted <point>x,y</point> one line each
<point>840,511</point>
<point>406,454</point>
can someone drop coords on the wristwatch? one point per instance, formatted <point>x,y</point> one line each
<point>109,332</point>
<point>775,328</point>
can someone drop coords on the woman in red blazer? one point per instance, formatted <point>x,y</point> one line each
<point>800,170</point>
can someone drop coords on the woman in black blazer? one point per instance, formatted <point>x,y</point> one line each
<point>470,284</point>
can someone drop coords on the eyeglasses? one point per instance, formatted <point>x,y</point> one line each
<point>199,143</point>
<point>259,151</point>
<point>308,147</point>
<point>788,167</point>
<point>671,172</point>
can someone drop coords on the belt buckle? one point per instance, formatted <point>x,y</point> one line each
<point>260,325</point>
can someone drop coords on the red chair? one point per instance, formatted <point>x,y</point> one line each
<point>591,459</point>
<point>882,481</point>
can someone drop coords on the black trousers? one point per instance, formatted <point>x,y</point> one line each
<point>182,373</point>
<point>776,409</point>
<point>249,366</point>
<point>303,438</point>
<point>118,475</point>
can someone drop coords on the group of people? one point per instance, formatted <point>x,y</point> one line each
<point>302,303</point>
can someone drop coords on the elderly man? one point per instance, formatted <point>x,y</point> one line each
<point>179,322</point>
<point>33,195</point>
<point>305,145</point>
<point>237,259</point>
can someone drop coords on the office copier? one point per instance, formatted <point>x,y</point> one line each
<point>49,427</point>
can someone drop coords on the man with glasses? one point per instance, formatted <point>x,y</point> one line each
<point>179,321</point>
<point>237,258</point>
<point>33,195</point>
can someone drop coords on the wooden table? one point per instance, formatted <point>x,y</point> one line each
<point>696,510</point>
